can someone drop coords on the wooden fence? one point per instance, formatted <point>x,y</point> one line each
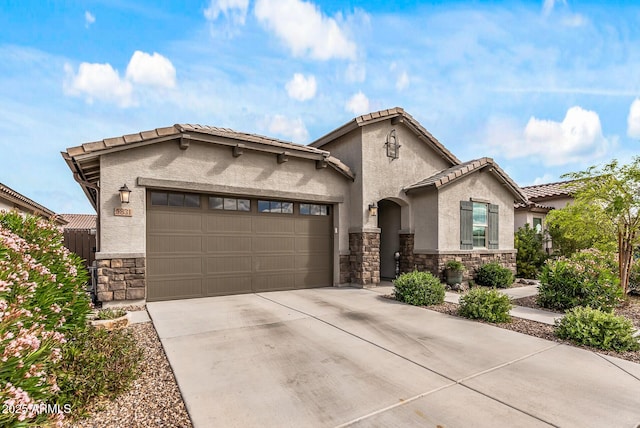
<point>81,242</point>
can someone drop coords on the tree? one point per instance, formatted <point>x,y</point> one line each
<point>581,225</point>
<point>615,189</point>
<point>530,256</point>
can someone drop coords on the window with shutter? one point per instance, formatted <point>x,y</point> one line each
<point>466,225</point>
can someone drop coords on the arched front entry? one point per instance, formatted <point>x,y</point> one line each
<point>389,224</point>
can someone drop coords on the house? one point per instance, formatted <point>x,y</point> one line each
<point>543,198</point>
<point>192,211</point>
<point>12,200</point>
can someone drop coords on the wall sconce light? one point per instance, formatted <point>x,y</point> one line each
<point>124,194</point>
<point>373,209</point>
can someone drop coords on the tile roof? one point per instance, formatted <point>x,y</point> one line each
<point>456,172</point>
<point>531,206</point>
<point>17,198</point>
<point>80,221</point>
<point>392,113</point>
<point>551,190</point>
<point>84,161</point>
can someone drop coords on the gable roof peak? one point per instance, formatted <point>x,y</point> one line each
<point>393,114</point>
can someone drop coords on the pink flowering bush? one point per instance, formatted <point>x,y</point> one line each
<point>42,300</point>
<point>588,278</point>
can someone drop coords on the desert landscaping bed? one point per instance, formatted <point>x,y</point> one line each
<point>154,399</point>
<point>631,309</point>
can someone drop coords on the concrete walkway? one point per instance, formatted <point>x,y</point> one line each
<point>539,315</point>
<point>344,357</point>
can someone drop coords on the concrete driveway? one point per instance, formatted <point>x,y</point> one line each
<point>348,357</point>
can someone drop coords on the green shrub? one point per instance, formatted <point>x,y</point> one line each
<point>419,288</point>
<point>531,256</point>
<point>109,314</point>
<point>42,301</point>
<point>494,275</point>
<point>593,327</point>
<point>96,363</point>
<point>454,265</point>
<point>485,304</point>
<point>588,278</point>
<point>634,278</point>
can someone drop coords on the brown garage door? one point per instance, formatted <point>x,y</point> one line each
<point>200,245</point>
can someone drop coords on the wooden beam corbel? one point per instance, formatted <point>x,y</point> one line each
<point>283,157</point>
<point>184,142</point>
<point>321,163</point>
<point>396,120</point>
<point>238,150</point>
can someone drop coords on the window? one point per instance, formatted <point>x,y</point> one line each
<point>537,224</point>
<point>480,225</point>
<point>188,200</point>
<point>314,209</point>
<point>229,204</point>
<point>275,207</point>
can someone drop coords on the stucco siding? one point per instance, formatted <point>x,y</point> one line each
<point>385,177</point>
<point>480,186</point>
<point>5,205</point>
<point>348,148</point>
<point>558,203</point>
<point>425,214</point>
<point>204,164</point>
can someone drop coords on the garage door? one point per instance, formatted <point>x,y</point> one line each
<point>202,245</point>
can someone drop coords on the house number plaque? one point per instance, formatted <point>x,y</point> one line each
<point>123,212</point>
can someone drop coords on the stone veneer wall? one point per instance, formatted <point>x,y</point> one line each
<point>345,273</point>
<point>406,252</point>
<point>435,263</point>
<point>364,258</point>
<point>121,279</point>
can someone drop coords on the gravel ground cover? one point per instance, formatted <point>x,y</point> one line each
<point>154,399</point>
<point>544,331</point>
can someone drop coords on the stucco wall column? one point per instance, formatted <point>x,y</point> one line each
<point>364,258</point>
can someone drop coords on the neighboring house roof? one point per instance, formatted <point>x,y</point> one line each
<point>397,115</point>
<point>532,206</point>
<point>84,159</point>
<point>27,204</point>
<point>80,221</point>
<point>551,190</point>
<point>450,175</point>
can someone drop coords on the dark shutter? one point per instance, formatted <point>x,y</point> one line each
<point>466,225</point>
<point>494,231</point>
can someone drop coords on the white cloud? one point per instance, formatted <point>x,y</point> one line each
<point>103,82</point>
<point>289,128</point>
<point>546,178</point>
<point>358,104</point>
<point>356,73</point>
<point>233,10</point>
<point>89,18</point>
<point>301,88</point>
<point>577,138</point>
<point>403,81</point>
<point>305,30</point>
<point>548,5</point>
<point>633,120</point>
<point>575,20</point>
<point>153,70</point>
<point>98,81</point>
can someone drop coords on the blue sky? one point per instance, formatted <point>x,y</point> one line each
<point>543,87</point>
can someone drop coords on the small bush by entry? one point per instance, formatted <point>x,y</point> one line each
<point>593,327</point>
<point>494,275</point>
<point>485,304</point>
<point>419,288</point>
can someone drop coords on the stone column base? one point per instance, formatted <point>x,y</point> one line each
<point>121,279</point>
<point>435,263</point>
<point>364,258</point>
